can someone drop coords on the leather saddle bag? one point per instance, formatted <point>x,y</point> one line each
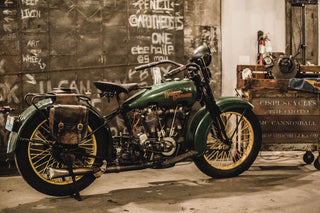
<point>68,123</point>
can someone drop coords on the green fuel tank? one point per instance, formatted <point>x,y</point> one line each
<point>168,94</point>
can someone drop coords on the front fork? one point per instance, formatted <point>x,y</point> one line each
<point>215,112</point>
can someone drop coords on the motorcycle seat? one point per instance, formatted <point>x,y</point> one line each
<point>114,87</point>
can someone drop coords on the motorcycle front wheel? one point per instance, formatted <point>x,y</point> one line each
<point>33,159</point>
<point>224,161</point>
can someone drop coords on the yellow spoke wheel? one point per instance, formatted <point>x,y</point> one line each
<point>221,160</point>
<point>34,157</point>
<point>241,131</point>
<point>41,159</point>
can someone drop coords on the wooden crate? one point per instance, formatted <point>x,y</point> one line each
<point>290,120</point>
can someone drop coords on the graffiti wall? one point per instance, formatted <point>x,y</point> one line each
<point>72,43</point>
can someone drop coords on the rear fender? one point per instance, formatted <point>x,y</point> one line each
<point>21,122</point>
<point>30,112</point>
<point>198,129</point>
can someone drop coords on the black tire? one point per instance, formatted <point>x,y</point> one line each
<point>32,170</point>
<point>220,162</point>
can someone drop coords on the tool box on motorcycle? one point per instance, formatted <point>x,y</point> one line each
<point>290,119</point>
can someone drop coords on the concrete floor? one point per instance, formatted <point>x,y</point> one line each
<point>277,182</point>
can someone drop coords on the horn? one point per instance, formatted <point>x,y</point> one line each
<point>56,173</point>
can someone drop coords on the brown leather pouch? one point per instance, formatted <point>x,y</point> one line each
<point>68,123</point>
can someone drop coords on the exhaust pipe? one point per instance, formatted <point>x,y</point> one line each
<point>114,169</point>
<point>58,173</point>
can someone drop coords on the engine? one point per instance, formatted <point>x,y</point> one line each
<point>157,133</point>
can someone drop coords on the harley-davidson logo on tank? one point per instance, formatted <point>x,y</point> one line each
<point>177,95</point>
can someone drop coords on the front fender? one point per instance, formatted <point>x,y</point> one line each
<point>198,129</point>
<point>31,111</point>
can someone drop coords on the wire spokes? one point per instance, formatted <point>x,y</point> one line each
<point>223,156</point>
<point>41,154</point>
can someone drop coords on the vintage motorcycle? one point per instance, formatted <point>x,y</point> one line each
<point>62,143</point>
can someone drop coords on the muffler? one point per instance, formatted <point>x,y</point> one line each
<point>58,173</point>
<point>53,173</point>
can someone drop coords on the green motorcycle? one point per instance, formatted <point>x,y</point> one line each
<point>62,143</point>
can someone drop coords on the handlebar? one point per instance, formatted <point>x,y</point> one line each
<point>180,67</point>
<point>153,64</point>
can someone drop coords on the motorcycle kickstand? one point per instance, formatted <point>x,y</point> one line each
<point>74,188</point>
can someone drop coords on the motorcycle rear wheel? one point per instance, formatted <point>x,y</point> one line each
<point>32,159</point>
<point>221,161</point>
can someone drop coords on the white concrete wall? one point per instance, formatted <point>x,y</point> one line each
<point>241,20</point>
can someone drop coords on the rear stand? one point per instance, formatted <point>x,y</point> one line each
<point>74,188</point>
